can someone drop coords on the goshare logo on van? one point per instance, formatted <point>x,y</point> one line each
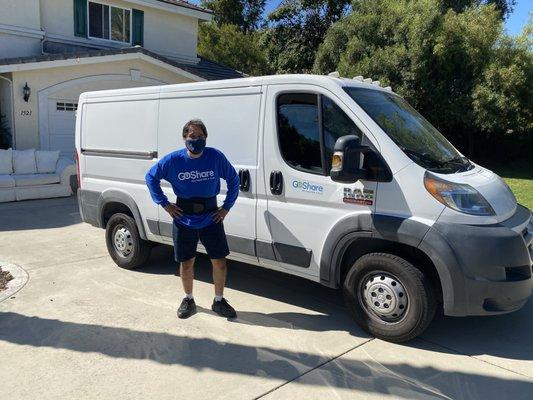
<point>309,187</point>
<point>196,176</point>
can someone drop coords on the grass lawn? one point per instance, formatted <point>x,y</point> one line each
<point>520,178</point>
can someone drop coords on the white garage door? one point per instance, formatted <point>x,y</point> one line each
<point>61,125</point>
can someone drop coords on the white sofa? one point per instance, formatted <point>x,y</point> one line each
<point>34,174</point>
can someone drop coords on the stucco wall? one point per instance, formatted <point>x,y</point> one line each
<point>18,46</point>
<point>27,126</point>
<point>165,33</point>
<point>23,13</point>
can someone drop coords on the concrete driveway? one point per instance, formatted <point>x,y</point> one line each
<point>83,328</point>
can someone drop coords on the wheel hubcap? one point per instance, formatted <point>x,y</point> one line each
<point>385,295</point>
<point>123,241</point>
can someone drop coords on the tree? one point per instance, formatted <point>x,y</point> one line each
<point>433,58</point>
<point>296,29</point>
<point>228,45</point>
<point>505,7</point>
<point>503,100</point>
<point>246,14</point>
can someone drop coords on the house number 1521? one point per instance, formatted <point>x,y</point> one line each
<point>25,113</point>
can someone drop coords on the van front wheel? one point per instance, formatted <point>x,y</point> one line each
<point>124,244</point>
<point>388,297</point>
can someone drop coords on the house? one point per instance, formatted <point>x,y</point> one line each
<point>53,50</point>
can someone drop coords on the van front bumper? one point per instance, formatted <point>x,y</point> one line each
<point>484,269</point>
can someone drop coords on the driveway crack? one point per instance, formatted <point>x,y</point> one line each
<point>312,369</point>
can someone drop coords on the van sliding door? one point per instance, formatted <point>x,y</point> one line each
<point>232,120</point>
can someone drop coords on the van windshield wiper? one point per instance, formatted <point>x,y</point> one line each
<point>461,161</point>
<point>422,156</point>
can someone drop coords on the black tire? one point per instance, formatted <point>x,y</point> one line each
<point>138,250</point>
<point>420,302</point>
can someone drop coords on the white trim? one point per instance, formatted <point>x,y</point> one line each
<point>179,57</point>
<point>21,31</point>
<point>175,9</point>
<point>96,60</point>
<point>94,42</point>
<point>44,94</point>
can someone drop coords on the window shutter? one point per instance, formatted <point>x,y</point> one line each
<point>80,18</point>
<point>137,20</point>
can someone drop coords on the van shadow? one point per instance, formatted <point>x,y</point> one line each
<point>506,336</point>
<point>327,304</point>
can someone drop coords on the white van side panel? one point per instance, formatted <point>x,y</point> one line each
<point>119,124</point>
<point>232,120</point>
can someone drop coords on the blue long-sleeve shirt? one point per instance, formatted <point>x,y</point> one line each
<point>194,177</point>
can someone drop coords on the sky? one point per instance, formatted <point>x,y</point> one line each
<point>514,24</point>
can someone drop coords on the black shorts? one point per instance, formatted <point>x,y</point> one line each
<point>186,239</point>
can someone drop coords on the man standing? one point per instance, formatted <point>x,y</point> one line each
<point>194,173</point>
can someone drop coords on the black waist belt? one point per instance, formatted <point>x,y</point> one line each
<point>197,205</point>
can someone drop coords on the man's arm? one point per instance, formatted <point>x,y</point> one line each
<point>228,173</point>
<point>153,181</point>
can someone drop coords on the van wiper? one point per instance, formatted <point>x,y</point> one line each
<point>422,156</point>
<point>461,161</point>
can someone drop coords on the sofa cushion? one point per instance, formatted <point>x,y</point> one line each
<point>35,179</point>
<point>24,161</point>
<point>46,160</point>
<point>6,181</point>
<point>6,161</point>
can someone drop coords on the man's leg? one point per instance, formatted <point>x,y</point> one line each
<point>187,275</point>
<point>214,240</point>
<point>185,241</point>
<point>220,271</point>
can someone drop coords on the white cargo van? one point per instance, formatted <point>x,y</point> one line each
<point>342,183</point>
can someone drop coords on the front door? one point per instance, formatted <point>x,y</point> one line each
<point>303,203</point>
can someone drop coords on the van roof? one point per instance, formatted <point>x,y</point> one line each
<point>321,80</point>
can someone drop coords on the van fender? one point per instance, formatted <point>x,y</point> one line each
<point>398,230</point>
<point>123,197</point>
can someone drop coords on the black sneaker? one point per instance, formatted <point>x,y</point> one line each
<point>223,309</point>
<point>186,308</point>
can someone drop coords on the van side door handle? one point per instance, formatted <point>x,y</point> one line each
<point>244,178</point>
<point>276,182</point>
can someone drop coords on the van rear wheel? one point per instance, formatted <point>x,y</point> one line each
<point>388,297</point>
<point>124,244</point>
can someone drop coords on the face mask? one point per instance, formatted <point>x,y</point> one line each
<point>195,146</point>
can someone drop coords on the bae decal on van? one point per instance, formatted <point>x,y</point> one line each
<point>308,187</point>
<point>358,196</point>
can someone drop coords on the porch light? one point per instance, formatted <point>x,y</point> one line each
<point>26,92</point>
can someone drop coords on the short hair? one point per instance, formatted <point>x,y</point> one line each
<point>194,122</point>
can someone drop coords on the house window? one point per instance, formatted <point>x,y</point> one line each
<point>109,23</point>
<point>60,106</point>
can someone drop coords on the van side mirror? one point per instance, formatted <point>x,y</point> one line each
<point>347,164</point>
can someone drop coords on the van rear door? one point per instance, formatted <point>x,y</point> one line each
<point>232,120</point>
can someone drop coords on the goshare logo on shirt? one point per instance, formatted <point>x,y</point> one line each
<point>196,176</point>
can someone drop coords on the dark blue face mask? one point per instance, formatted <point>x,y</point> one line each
<point>195,146</point>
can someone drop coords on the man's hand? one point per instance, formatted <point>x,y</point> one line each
<point>220,214</point>
<point>173,210</point>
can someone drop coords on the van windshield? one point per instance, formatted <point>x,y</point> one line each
<point>418,139</point>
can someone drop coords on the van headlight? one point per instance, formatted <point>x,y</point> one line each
<point>458,196</point>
